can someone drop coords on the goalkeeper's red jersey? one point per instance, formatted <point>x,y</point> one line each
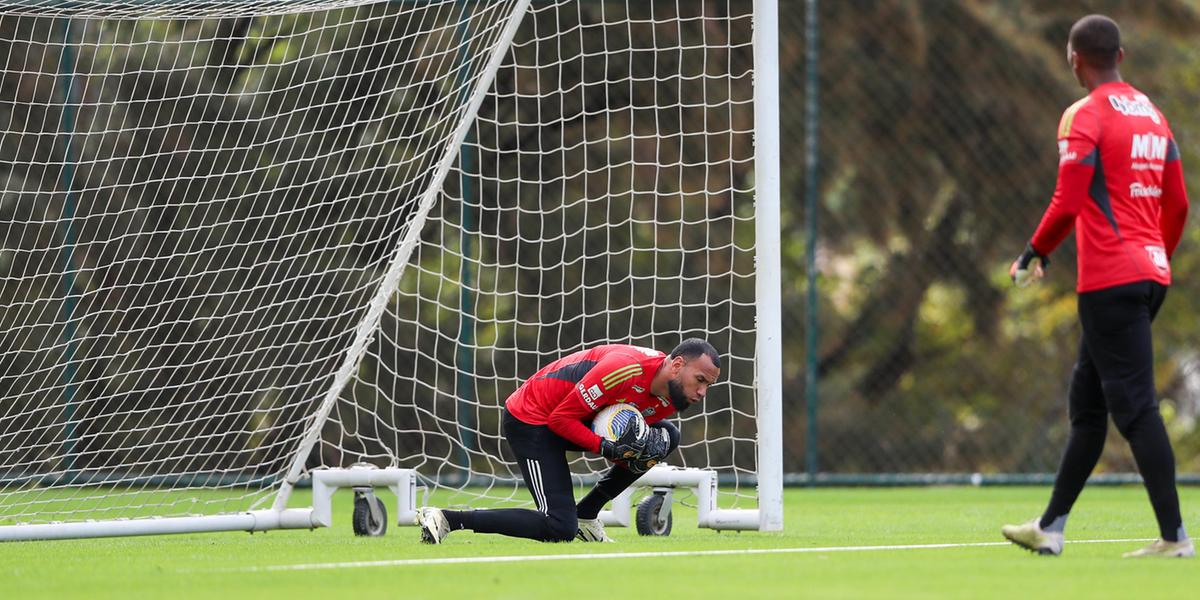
<point>568,391</point>
<point>1120,184</point>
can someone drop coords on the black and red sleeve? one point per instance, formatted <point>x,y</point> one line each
<point>1174,200</point>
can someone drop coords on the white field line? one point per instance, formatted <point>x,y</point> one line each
<point>617,555</point>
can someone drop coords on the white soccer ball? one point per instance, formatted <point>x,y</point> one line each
<point>614,420</point>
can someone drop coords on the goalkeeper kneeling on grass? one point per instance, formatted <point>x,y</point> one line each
<point>546,418</point>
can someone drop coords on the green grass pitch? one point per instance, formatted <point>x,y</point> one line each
<point>238,565</point>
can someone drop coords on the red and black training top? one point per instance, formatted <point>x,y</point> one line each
<point>1120,184</point>
<point>568,391</point>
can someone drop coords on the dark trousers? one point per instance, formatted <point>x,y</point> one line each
<point>542,456</point>
<point>1115,377</point>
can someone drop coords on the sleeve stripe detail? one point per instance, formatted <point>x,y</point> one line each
<point>621,375</point>
<point>621,380</point>
<point>1068,118</point>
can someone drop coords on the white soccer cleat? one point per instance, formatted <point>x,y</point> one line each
<point>434,526</point>
<point>591,530</point>
<point>1031,537</point>
<point>1164,549</point>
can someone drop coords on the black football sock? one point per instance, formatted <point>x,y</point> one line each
<point>589,507</point>
<point>614,482</point>
<point>459,519</point>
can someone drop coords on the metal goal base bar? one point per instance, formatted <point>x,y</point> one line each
<point>402,482</point>
<point>702,482</point>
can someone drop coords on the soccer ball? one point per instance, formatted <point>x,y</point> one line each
<point>614,420</point>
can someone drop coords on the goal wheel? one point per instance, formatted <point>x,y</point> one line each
<point>654,515</point>
<point>370,515</point>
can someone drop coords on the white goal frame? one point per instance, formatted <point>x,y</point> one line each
<point>403,482</point>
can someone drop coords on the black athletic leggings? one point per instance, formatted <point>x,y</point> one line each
<point>541,455</point>
<point>1115,377</point>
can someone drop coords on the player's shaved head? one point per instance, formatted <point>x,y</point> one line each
<point>1097,41</point>
<point>693,348</point>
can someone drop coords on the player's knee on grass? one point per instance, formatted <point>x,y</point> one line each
<point>561,527</point>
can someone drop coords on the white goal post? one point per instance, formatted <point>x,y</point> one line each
<point>253,246</point>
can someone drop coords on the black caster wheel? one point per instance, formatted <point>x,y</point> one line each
<point>370,515</point>
<point>654,515</point>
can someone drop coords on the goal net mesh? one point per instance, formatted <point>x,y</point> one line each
<point>199,201</point>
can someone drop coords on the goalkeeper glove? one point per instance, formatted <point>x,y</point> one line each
<point>639,466</point>
<point>1020,272</point>
<point>628,446</point>
<point>658,444</point>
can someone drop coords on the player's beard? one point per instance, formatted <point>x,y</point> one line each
<point>678,398</point>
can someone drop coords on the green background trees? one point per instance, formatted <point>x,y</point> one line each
<point>937,156</point>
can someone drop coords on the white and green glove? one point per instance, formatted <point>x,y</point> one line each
<point>1024,271</point>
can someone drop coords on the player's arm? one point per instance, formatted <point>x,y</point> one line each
<point>1174,208</point>
<point>1078,153</point>
<point>600,386</point>
<point>1070,196</point>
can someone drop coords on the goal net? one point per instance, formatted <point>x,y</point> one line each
<point>243,241</point>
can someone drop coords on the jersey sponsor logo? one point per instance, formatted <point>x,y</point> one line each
<point>1064,153</point>
<point>1137,106</point>
<point>586,394</point>
<point>1158,257</point>
<point>639,389</point>
<point>1148,147</point>
<point>1138,190</point>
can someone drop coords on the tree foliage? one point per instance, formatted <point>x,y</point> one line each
<point>937,158</point>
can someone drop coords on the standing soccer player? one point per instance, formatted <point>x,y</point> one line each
<point>545,418</point>
<point>1120,183</point>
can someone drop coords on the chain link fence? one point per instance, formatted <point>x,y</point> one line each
<point>935,127</point>
<point>936,144</point>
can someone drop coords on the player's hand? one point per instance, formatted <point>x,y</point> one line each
<point>639,466</point>
<point>658,444</point>
<point>1024,271</point>
<point>628,446</point>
